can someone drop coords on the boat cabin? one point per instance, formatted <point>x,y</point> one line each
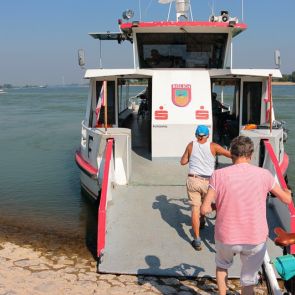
<point>182,44</point>
<point>181,64</point>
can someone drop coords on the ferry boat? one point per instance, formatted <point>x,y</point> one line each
<point>130,164</point>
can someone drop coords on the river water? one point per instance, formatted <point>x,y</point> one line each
<point>39,180</point>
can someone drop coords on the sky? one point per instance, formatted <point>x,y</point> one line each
<point>39,39</point>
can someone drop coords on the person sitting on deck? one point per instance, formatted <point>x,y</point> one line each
<point>239,192</point>
<point>200,154</point>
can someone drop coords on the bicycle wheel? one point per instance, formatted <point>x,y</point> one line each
<point>265,279</point>
<point>290,286</point>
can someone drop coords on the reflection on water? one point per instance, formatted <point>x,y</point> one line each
<point>39,180</point>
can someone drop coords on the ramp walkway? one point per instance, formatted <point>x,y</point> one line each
<point>148,226</point>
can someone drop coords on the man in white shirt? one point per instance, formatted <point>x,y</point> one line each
<point>200,154</point>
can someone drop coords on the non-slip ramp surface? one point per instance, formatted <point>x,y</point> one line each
<point>148,232</point>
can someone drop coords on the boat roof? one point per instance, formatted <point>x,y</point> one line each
<point>101,73</point>
<point>169,27</point>
<point>183,26</point>
<point>276,73</point>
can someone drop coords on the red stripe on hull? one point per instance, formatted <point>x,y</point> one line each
<point>85,166</point>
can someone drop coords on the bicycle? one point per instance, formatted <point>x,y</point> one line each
<point>285,265</point>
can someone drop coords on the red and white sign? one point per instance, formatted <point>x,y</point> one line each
<point>202,114</point>
<point>181,94</point>
<point>161,114</point>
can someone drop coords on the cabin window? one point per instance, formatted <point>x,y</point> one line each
<point>225,109</point>
<point>123,95</point>
<point>181,50</point>
<point>252,92</point>
<point>111,106</point>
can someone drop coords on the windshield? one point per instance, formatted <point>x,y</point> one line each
<point>181,50</point>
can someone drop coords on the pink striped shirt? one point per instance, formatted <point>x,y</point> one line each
<point>241,192</point>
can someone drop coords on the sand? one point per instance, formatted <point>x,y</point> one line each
<point>284,83</point>
<point>38,263</point>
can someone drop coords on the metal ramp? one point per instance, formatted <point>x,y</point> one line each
<point>148,227</point>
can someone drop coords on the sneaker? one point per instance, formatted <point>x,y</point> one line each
<point>197,245</point>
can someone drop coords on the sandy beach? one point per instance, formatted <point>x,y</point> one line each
<point>34,263</point>
<point>283,83</point>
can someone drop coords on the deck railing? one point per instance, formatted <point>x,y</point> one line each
<point>101,228</point>
<point>278,170</point>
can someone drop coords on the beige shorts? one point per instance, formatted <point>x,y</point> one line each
<point>196,190</point>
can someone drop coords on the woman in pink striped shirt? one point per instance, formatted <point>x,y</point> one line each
<point>239,192</point>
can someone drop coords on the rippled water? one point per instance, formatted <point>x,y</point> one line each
<point>284,103</point>
<point>39,180</point>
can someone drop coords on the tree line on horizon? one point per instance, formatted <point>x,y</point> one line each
<point>10,86</point>
<point>286,78</point>
<point>7,86</point>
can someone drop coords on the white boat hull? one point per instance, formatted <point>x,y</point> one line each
<point>89,185</point>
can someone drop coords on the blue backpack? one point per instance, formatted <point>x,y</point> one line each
<point>285,266</point>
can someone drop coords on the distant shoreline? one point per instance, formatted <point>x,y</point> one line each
<point>284,83</point>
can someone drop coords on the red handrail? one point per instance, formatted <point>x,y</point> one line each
<point>101,227</point>
<point>282,181</point>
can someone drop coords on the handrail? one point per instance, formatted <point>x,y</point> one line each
<point>101,227</point>
<point>282,181</point>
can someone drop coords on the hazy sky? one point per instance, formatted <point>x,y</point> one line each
<point>40,38</point>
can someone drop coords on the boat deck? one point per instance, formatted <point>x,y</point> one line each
<point>149,225</point>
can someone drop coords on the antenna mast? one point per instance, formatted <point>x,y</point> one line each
<point>100,60</point>
<point>182,9</point>
<point>242,10</point>
<point>212,8</point>
<point>169,10</point>
<point>139,4</point>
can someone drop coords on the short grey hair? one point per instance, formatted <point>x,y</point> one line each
<point>241,146</point>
